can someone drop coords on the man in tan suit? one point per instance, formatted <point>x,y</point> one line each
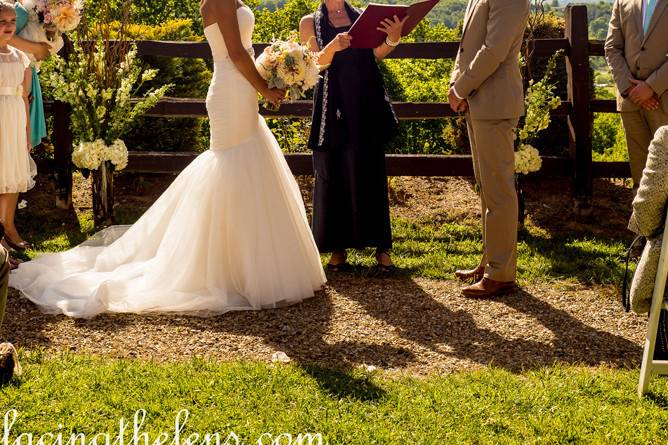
<point>636,50</point>
<point>487,85</point>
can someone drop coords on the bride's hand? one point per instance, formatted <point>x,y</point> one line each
<point>274,96</point>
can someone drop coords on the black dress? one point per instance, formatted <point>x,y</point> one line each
<point>353,119</point>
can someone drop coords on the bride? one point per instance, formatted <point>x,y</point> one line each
<point>230,233</point>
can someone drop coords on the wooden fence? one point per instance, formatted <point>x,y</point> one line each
<point>578,108</point>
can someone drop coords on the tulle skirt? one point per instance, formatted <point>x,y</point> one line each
<point>230,233</point>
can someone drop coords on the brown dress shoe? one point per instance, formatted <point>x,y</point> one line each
<point>472,275</point>
<point>486,288</point>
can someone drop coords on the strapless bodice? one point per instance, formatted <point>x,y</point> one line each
<point>215,37</point>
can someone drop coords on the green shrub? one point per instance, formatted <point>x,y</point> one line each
<point>554,140</point>
<point>609,143</point>
<point>190,77</point>
<point>416,80</point>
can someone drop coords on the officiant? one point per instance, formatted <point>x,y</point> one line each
<point>353,120</point>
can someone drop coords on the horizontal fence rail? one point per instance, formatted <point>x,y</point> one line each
<point>578,109</point>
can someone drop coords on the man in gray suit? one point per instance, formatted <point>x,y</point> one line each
<point>636,50</point>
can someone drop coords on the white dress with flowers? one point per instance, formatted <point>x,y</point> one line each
<point>17,169</point>
<point>230,233</point>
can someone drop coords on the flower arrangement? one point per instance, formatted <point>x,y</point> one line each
<point>104,83</point>
<point>286,64</point>
<point>103,108</point>
<point>527,159</point>
<point>540,100</point>
<point>48,20</point>
<point>90,155</point>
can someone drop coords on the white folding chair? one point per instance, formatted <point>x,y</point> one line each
<point>649,365</point>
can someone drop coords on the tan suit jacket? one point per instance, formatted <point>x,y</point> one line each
<point>486,71</point>
<point>631,54</point>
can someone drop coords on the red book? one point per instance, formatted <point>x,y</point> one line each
<point>364,32</point>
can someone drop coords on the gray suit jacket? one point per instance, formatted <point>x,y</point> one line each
<point>630,53</point>
<point>648,219</point>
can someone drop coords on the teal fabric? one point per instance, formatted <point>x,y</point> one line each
<point>37,120</point>
<point>650,6</point>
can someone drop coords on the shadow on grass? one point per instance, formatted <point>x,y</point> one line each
<point>340,384</point>
<point>657,399</point>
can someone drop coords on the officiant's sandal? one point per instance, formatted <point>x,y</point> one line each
<point>343,266</point>
<point>386,269</point>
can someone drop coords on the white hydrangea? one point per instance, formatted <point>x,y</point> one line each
<point>527,159</point>
<point>117,153</point>
<point>90,155</point>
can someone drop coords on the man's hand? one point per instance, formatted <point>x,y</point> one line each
<point>641,92</point>
<point>458,105</point>
<point>651,104</point>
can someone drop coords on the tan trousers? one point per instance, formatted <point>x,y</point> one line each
<point>494,169</point>
<point>4,280</point>
<point>639,127</point>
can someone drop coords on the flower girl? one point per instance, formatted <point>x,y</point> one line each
<point>17,168</point>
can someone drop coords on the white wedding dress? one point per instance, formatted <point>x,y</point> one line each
<point>230,233</point>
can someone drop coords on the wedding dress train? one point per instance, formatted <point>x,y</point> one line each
<point>230,233</point>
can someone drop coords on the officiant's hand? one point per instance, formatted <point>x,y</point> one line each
<point>340,42</point>
<point>392,27</point>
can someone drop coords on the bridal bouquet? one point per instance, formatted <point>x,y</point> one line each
<point>289,65</point>
<point>48,20</point>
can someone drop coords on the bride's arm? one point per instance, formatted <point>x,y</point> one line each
<point>225,14</point>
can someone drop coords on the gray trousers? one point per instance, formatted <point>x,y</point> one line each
<point>639,128</point>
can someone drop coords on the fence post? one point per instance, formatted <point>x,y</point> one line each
<point>580,120</point>
<point>62,146</point>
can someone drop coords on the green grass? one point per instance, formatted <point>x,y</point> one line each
<point>433,249</point>
<point>556,405</point>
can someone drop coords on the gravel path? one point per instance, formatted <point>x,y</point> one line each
<point>410,325</point>
<point>416,326</point>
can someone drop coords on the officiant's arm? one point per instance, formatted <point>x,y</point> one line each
<point>326,54</point>
<point>506,19</point>
<point>391,27</point>
<point>40,50</point>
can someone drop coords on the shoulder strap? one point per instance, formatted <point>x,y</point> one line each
<point>626,289</point>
